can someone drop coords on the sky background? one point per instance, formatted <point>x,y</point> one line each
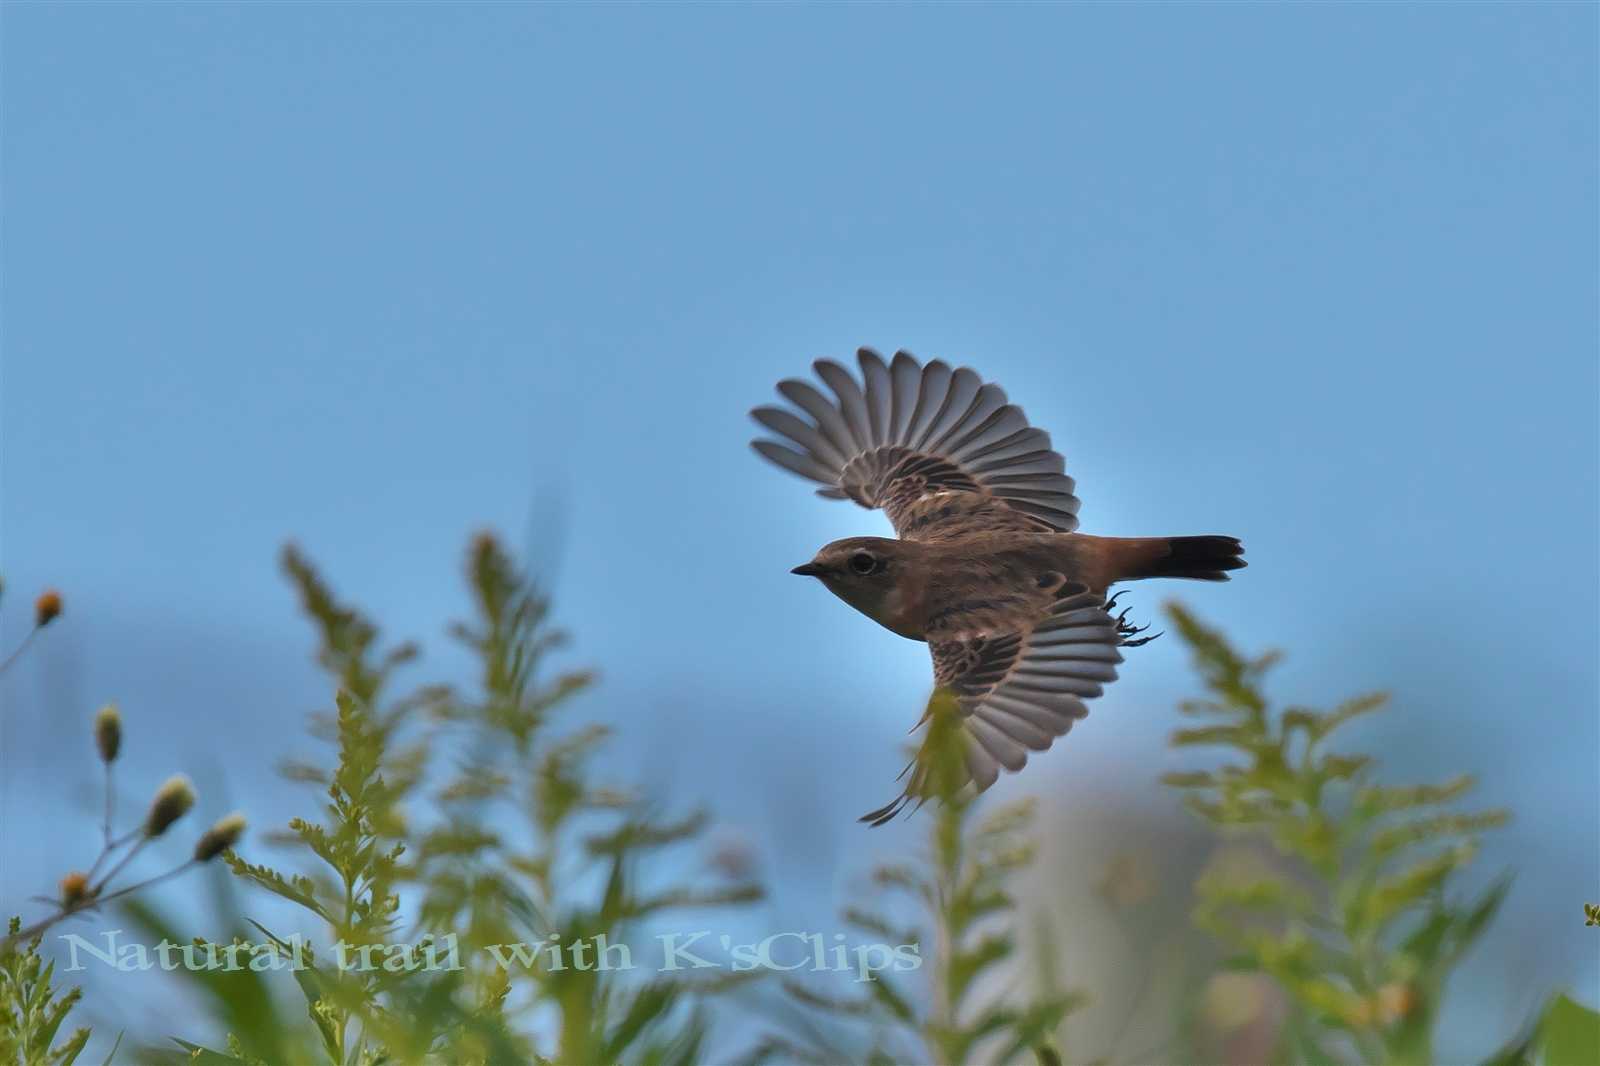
<point>372,278</point>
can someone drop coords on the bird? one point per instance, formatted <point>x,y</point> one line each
<point>986,565</point>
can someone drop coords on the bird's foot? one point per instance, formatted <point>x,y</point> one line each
<point>1126,630</point>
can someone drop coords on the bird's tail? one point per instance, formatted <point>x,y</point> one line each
<point>1203,558</point>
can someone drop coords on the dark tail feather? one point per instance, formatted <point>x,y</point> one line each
<point>1203,558</point>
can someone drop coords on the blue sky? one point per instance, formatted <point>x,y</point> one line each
<point>371,278</point>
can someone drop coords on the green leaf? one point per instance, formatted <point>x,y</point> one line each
<point>205,1056</point>
<point>1347,710</point>
<point>891,1000</point>
<point>1381,800</point>
<point>66,1054</point>
<point>1190,779</point>
<point>1388,841</point>
<point>966,965</point>
<point>112,1054</point>
<point>1394,894</point>
<point>1231,735</point>
<point>650,1002</point>
<point>1571,1034</point>
<point>1476,920</point>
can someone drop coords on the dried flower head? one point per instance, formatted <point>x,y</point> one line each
<point>74,889</point>
<point>108,732</point>
<point>47,608</point>
<point>1394,1001</point>
<point>220,837</point>
<point>172,802</point>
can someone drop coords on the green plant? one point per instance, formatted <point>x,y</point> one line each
<point>961,885</point>
<point>1357,919</point>
<point>31,1010</point>
<point>434,932</point>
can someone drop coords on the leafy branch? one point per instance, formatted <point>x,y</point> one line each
<point>1357,922</point>
<point>961,884</point>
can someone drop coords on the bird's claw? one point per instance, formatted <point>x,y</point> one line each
<point>1126,630</point>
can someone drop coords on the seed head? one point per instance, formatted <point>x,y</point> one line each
<point>74,889</point>
<point>220,837</point>
<point>47,608</point>
<point>108,732</point>
<point>172,802</point>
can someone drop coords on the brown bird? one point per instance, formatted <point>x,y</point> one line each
<point>988,568</point>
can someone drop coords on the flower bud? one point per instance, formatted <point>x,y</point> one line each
<point>46,608</point>
<point>172,802</point>
<point>74,889</point>
<point>219,838</point>
<point>108,732</point>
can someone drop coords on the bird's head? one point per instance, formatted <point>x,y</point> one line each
<point>874,575</point>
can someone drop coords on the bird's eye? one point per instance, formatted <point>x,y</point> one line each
<point>863,562</point>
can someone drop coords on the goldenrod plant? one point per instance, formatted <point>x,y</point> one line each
<point>952,993</point>
<point>468,882</point>
<point>465,892</point>
<point>32,1009</point>
<point>1351,904</point>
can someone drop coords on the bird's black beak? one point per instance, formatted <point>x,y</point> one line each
<point>808,570</point>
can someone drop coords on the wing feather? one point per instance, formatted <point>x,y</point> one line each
<point>789,459</point>
<point>852,404</point>
<point>981,766</point>
<point>1030,686</point>
<point>905,377</point>
<point>801,432</point>
<point>1019,691</point>
<point>930,402</point>
<point>829,421</point>
<point>961,394</point>
<point>879,393</point>
<point>999,744</point>
<point>907,434</point>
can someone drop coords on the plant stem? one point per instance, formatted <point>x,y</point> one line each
<point>29,932</point>
<point>19,649</point>
<point>122,862</point>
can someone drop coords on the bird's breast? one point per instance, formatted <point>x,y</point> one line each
<point>904,610</point>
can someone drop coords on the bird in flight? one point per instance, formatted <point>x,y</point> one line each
<point>986,565</point>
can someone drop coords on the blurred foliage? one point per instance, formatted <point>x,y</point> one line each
<point>461,850</point>
<point>1359,920</point>
<point>425,950</point>
<point>1568,1035</point>
<point>969,1009</point>
<point>32,1011</point>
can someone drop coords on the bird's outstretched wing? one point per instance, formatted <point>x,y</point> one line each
<point>1019,690</point>
<point>935,448</point>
